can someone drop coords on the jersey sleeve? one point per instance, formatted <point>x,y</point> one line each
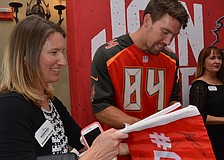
<point>175,96</point>
<point>101,86</point>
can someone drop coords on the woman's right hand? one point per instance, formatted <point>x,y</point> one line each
<point>107,146</point>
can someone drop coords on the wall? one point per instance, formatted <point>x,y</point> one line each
<point>62,86</point>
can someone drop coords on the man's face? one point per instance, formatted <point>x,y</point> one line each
<point>160,33</point>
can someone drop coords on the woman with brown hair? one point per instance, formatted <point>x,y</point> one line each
<point>207,93</point>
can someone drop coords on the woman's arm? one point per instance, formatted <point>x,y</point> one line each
<point>198,95</point>
<point>214,120</point>
<point>16,130</point>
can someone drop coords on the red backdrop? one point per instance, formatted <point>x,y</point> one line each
<point>93,22</point>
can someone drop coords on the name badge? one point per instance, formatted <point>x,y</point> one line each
<point>44,133</point>
<point>212,88</point>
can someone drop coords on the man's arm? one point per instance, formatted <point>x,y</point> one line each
<point>114,117</point>
<point>172,102</point>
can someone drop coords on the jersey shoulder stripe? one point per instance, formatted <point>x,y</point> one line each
<point>115,46</point>
<point>172,56</point>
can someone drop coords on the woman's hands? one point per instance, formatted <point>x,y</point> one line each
<point>107,146</point>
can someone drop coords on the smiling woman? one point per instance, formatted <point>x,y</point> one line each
<point>61,87</point>
<point>31,63</point>
<point>51,60</point>
<point>52,57</point>
<point>34,123</point>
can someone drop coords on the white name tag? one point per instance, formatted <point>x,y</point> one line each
<point>212,88</point>
<point>44,133</point>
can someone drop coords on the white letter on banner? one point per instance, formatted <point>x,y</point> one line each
<point>153,87</point>
<point>164,154</point>
<point>118,25</point>
<point>132,86</point>
<point>185,73</point>
<point>97,41</point>
<point>118,22</point>
<point>193,33</point>
<point>133,14</point>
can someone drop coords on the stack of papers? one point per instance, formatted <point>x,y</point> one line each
<point>165,116</point>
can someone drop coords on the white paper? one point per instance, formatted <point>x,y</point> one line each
<point>165,116</point>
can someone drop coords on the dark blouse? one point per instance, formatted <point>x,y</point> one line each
<point>20,119</point>
<point>209,99</point>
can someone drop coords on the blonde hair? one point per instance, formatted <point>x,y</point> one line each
<point>20,67</point>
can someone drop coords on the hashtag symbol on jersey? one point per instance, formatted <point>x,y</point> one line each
<point>160,140</point>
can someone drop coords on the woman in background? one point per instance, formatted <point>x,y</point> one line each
<point>34,122</point>
<point>207,93</point>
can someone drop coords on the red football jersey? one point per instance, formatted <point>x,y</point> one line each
<point>138,83</point>
<point>142,82</point>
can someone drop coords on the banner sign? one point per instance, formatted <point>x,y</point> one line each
<point>170,134</point>
<point>172,141</point>
<point>91,23</point>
